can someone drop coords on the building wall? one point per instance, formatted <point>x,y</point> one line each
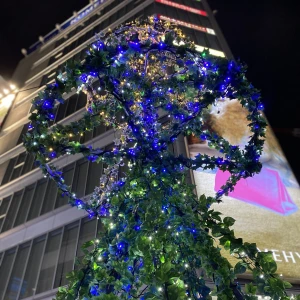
<point>40,235</point>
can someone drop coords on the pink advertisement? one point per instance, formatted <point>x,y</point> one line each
<point>266,206</point>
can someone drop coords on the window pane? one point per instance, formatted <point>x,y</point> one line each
<point>24,131</point>
<point>9,170</point>
<point>49,262</point>
<point>61,111</point>
<point>37,199</point>
<point>24,206</point>
<point>50,197</point>
<point>5,268</point>
<point>81,102</point>
<point>30,278</point>
<point>80,178</point>
<point>3,209</point>
<point>67,254</point>
<point>16,173</point>
<point>68,177</point>
<point>15,280</point>
<point>28,163</point>
<point>71,105</point>
<point>87,233</point>
<point>99,130</point>
<point>12,211</point>
<point>95,171</point>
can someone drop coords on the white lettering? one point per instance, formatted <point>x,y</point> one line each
<point>297,254</point>
<point>275,255</point>
<point>288,256</point>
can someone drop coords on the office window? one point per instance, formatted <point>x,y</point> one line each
<point>50,197</point>
<point>67,254</point>
<point>47,272</point>
<point>68,172</point>
<point>29,284</point>
<point>25,205</point>
<point>4,204</point>
<point>5,269</point>
<point>37,199</point>
<point>28,164</point>
<point>41,264</point>
<point>87,233</point>
<point>9,170</point>
<point>71,105</point>
<point>80,175</point>
<point>16,277</point>
<point>18,166</point>
<point>94,173</point>
<point>12,211</point>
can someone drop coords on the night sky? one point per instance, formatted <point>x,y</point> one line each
<point>263,34</point>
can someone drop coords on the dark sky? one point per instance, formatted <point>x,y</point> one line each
<point>261,33</point>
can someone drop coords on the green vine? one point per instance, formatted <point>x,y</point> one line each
<point>160,241</point>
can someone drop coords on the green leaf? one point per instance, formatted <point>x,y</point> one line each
<point>287,285</point>
<point>240,267</point>
<point>228,221</point>
<point>162,259</point>
<point>250,288</point>
<point>95,266</point>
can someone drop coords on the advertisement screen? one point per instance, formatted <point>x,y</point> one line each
<point>266,206</point>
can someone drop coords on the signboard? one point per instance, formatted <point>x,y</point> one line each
<point>266,206</point>
<point>186,24</point>
<point>183,7</point>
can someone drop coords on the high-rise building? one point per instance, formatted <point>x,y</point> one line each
<point>40,234</point>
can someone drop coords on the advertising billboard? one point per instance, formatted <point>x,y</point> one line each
<point>266,206</point>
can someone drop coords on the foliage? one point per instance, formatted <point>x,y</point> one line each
<point>160,241</point>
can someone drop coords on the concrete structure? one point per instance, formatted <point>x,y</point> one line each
<point>40,235</point>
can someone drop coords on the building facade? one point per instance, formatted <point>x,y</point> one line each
<point>40,234</point>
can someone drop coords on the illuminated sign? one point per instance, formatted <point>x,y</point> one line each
<point>183,7</point>
<point>266,206</point>
<point>189,25</point>
<point>81,14</point>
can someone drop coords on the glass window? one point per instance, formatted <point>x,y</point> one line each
<point>62,107</point>
<point>25,205</point>
<point>99,130</point>
<point>50,197</point>
<point>67,254</point>
<point>81,102</point>
<point>46,275</point>
<point>12,211</point>
<point>68,172</point>
<point>80,177</point>
<point>5,268</point>
<point>16,172</point>
<point>37,199</point>
<point>24,130</point>
<point>30,278</point>
<point>87,233</point>
<point>9,170</point>
<point>213,41</point>
<point>4,204</point>
<point>88,135</point>
<point>71,105</point>
<point>16,276</point>
<point>29,163</point>
<point>95,171</point>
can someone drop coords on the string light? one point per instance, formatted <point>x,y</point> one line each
<point>141,71</point>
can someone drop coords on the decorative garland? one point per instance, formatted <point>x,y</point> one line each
<point>160,239</point>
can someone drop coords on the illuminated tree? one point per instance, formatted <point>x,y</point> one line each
<point>160,241</point>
